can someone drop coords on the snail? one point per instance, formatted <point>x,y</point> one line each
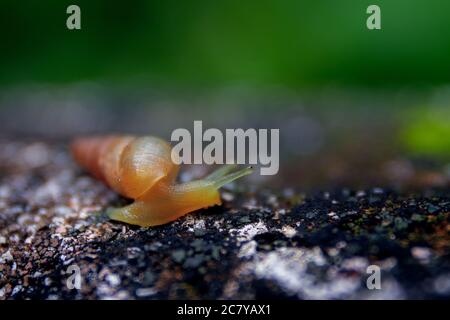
<point>141,168</point>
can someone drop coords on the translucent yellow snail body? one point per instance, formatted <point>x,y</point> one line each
<point>141,168</point>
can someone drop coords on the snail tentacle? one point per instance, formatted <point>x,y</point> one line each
<point>221,181</point>
<point>223,170</point>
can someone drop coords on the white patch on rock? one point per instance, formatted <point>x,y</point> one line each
<point>146,292</point>
<point>6,257</point>
<point>288,231</point>
<point>358,264</point>
<point>113,280</point>
<point>5,192</point>
<point>16,290</point>
<point>442,284</point>
<point>248,249</point>
<point>288,267</point>
<point>199,224</point>
<point>192,223</point>
<point>423,254</point>
<point>218,224</point>
<point>50,191</point>
<point>247,232</point>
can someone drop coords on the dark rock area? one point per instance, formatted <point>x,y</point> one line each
<point>287,244</point>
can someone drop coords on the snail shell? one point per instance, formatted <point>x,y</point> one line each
<point>141,168</point>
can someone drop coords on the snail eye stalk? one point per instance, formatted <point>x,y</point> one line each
<point>221,176</point>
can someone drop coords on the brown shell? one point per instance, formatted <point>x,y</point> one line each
<point>129,165</point>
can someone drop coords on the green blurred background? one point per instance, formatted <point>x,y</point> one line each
<point>312,68</point>
<point>195,43</point>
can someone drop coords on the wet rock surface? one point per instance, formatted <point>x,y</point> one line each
<point>257,245</point>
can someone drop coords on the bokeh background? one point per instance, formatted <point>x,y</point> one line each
<point>291,43</point>
<point>354,107</point>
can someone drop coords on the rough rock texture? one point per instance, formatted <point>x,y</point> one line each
<point>264,245</point>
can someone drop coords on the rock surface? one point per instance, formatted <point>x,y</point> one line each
<point>263,245</point>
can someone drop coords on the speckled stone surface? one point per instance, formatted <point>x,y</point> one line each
<point>257,245</point>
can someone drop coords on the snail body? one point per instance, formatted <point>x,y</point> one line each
<point>141,168</point>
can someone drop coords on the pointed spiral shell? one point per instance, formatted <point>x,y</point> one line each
<point>129,165</point>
